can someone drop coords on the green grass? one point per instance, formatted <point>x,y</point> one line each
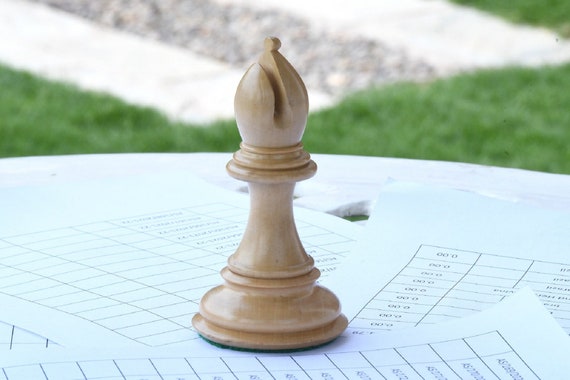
<point>553,14</point>
<point>38,117</point>
<point>510,117</point>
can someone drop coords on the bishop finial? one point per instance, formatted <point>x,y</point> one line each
<point>272,44</point>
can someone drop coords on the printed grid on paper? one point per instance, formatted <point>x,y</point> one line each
<point>485,356</point>
<point>439,283</point>
<point>141,277</point>
<point>12,336</point>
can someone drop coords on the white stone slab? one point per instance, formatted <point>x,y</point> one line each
<point>60,46</point>
<point>448,36</point>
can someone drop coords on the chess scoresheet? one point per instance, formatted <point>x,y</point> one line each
<point>488,345</point>
<point>134,278</point>
<point>138,278</point>
<point>432,254</point>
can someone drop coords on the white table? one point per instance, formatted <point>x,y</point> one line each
<point>343,186</point>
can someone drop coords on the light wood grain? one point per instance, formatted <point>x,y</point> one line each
<point>269,299</point>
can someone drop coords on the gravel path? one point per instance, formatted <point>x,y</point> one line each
<point>327,61</point>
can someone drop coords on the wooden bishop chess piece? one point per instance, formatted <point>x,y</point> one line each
<point>270,299</point>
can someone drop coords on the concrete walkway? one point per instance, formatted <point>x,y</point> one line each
<point>448,36</point>
<point>193,88</point>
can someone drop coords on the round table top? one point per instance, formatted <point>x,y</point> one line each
<point>343,186</point>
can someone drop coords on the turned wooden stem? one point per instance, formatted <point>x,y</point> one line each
<point>271,247</point>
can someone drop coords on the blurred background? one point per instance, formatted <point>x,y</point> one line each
<point>466,80</point>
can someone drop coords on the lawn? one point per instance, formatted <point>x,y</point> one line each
<point>511,117</point>
<point>39,117</point>
<point>553,14</point>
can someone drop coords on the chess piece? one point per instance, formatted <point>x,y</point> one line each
<point>270,299</point>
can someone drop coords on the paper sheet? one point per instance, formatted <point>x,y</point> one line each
<point>489,345</point>
<point>127,260</point>
<point>429,254</point>
<point>12,336</point>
